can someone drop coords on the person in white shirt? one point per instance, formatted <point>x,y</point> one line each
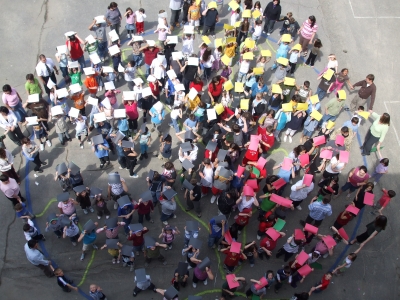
<point>299,192</point>
<point>9,122</point>
<point>31,233</point>
<point>158,67</point>
<point>45,71</point>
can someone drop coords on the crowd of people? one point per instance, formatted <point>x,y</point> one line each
<point>226,118</point>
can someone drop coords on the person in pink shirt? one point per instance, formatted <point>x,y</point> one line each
<point>12,101</point>
<point>11,190</point>
<point>112,96</point>
<point>307,33</point>
<point>67,208</point>
<point>130,22</point>
<point>357,178</point>
<point>132,113</point>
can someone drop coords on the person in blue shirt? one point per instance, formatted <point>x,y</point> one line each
<point>101,152</point>
<point>190,123</point>
<point>157,116</point>
<point>88,240</point>
<point>126,213</point>
<point>123,126</point>
<point>217,230</point>
<point>22,212</point>
<point>353,124</point>
<point>258,87</point>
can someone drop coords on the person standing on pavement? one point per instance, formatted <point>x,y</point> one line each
<point>10,188</point>
<point>368,89</point>
<point>376,133</point>
<point>7,165</point>
<point>175,6</point>
<point>210,19</point>
<point>113,17</point>
<point>99,28</point>
<point>318,212</point>
<point>36,258</point>
<point>45,70</point>
<point>9,122</point>
<point>12,100</point>
<point>150,51</point>
<point>272,13</point>
<point>75,47</point>
<point>307,33</point>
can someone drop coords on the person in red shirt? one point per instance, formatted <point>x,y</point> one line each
<point>268,244</point>
<point>267,220</point>
<point>242,219</point>
<point>251,154</point>
<point>150,53</point>
<point>144,208</point>
<point>132,114</point>
<point>155,88</point>
<point>215,88</point>
<point>74,44</point>
<point>232,259</point>
<point>322,285</point>
<point>137,240</point>
<point>384,200</point>
<point>267,137</point>
<point>197,84</point>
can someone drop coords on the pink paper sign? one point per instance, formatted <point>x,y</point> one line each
<point>235,247</point>
<point>369,199</point>
<point>252,183</point>
<point>261,163</point>
<point>304,270</point>
<point>327,154</point>
<point>304,159</point>
<point>319,140</point>
<point>231,281</point>
<point>280,200</point>
<point>308,179</point>
<point>299,234</point>
<point>302,258</point>
<point>228,237</point>
<point>273,233</point>
<point>344,156</point>
<point>263,282</point>
<point>310,228</point>
<point>329,241</point>
<point>287,164</point>
<point>254,141</point>
<point>343,234</point>
<point>353,209</point>
<point>248,191</point>
<point>339,140</point>
<point>279,183</point>
<point>240,171</point>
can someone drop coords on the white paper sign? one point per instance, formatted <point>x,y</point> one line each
<point>88,71</point>
<point>188,29</point>
<point>62,49</point>
<point>100,117</point>
<point>193,61</point>
<point>137,38</point>
<point>211,114</point>
<point>108,69</point>
<point>128,95</point>
<point>94,57</point>
<point>121,68</point>
<point>73,112</point>
<point>33,98</point>
<point>150,78</point>
<point>50,84</point>
<point>92,101</point>
<point>106,103</point>
<point>193,93</point>
<point>146,92</point>
<point>120,113</point>
<point>31,120</point>
<point>73,64</point>
<point>138,80</point>
<point>61,93</point>
<point>75,88</point>
<point>90,39</point>
<point>69,33</point>
<point>100,19</point>
<point>171,74</point>
<point>179,87</point>
<point>109,86</point>
<point>177,55</point>
<point>57,110</point>
<point>114,50</point>
<point>172,39</point>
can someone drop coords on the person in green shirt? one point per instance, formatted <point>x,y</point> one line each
<point>154,252</point>
<point>333,107</point>
<point>75,74</point>
<point>376,133</point>
<point>91,48</point>
<point>32,86</point>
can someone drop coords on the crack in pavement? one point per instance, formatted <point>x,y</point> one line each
<point>5,248</point>
<point>46,10</point>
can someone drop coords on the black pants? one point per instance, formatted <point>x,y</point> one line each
<point>310,220</point>
<point>174,17</point>
<point>292,67</point>
<point>104,159</point>
<point>242,35</point>
<point>46,270</point>
<point>209,30</point>
<point>133,125</point>
<point>116,27</point>
<point>369,141</point>
<point>137,290</point>
<point>311,59</point>
<point>15,201</point>
<point>131,165</point>
<point>37,163</point>
<point>284,252</point>
<point>16,136</point>
<point>46,79</point>
<point>141,217</point>
<point>38,237</point>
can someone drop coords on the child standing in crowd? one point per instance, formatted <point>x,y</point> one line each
<point>313,53</point>
<point>140,16</point>
<point>380,170</point>
<point>130,22</point>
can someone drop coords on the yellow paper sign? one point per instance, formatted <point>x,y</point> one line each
<point>302,106</point>
<point>244,104</point>
<point>249,43</point>
<point>239,87</point>
<point>246,13</point>
<point>234,5</point>
<point>289,81</point>
<point>258,71</point>
<point>266,53</point>
<point>212,4</point>
<point>328,74</point>
<point>248,55</point>
<point>228,27</point>
<point>282,61</point>
<point>198,2</point>
<point>342,94</point>
<point>287,107</point>
<point>286,38</point>
<point>314,99</point>
<point>230,40</point>
<point>276,89</point>
<point>297,47</point>
<point>228,85</point>
<point>330,125</point>
<point>363,114</point>
<point>206,39</point>
<point>218,42</point>
<point>219,108</point>
<point>237,24</point>
<point>316,115</point>
<point>226,60</point>
<point>256,14</point>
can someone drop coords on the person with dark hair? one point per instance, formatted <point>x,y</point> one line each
<point>300,296</point>
<point>329,185</point>
<point>272,13</point>
<point>113,17</point>
<point>207,59</point>
<point>360,195</point>
<point>6,165</point>
<point>341,79</point>
<point>210,19</point>
<point>376,133</point>
<point>215,88</point>
<point>32,86</point>
<point>10,188</point>
<point>373,229</point>
<point>31,152</point>
<point>282,275</point>
<point>368,89</point>
<point>12,100</point>
<point>321,285</point>
<point>357,177</point>
<point>318,212</point>
<point>36,258</point>
<point>307,33</point>
<point>289,248</point>
<point>45,71</point>
<point>74,44</point>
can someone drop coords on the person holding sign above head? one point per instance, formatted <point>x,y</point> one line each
<point>202,272</point>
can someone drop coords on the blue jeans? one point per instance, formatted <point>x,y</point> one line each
<point>241,77</point>
<point>212,241</point>
<point>61,138</point>
<point>138,59</point>
<point>326,118</point>
<point>81,61</point>
<point>165,217</point>
<point>102,49</point>
<point>174,123</point>
<point>19,112</point>
<point>321,94</point>
<point>156,196</point>
<point>376,176</point>
<point>143,148</point>
<point>64,71</point>
<point>127,223</point>
<point>147,69</point>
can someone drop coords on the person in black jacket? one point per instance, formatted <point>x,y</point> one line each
<point>271,14</point>
<point>226,201</point>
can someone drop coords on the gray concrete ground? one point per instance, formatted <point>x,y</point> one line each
<point>364,37</point>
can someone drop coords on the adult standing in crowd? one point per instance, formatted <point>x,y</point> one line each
<point>75,47</point>
<point>31,152</point>
<point>376,133</point>
<point>99,28</point>
<point>10,188</point>
<point>36,258</point>
<point>318,212</point>
<point>9,122</point>
<point>307,33</point>
<point>7,164</point>
<point>150,51</point>
<point>271,14</point>
<point>113,17</point>
<point>12,100</point>
<point>45,70</point>
<point>368,89</point>
<point>175,6</point>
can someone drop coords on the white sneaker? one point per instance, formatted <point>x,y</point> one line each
<point>107,217</point>
<point>268,33</point>
<point>89,142</point>
<point>375,183</point>
<point>41,147</point>
<point>115,205</point>
<point>165,223</point>
<point>121,168</point>
<point>194,285</point>
<point>290,139</point>
<point>258,237</point>
<point>134,176</point>
<point>213,199</point>
<point>205,282</point>
<point>298,207</point>
<point>48,143</point>
<point>85,211</point>
<point>285,138</point>
<point>98,217</point>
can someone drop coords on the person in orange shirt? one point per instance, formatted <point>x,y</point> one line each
<point>91,84</point>
<point>79,102</point>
